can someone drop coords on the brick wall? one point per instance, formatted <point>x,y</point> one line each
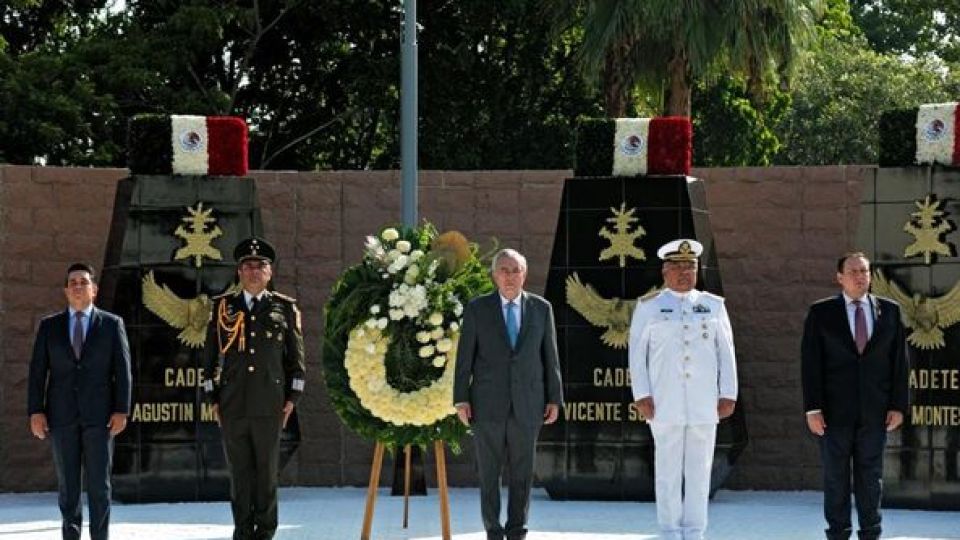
<point>777,230</point>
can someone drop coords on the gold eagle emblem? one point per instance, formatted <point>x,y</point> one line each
<point>927,317</point>
<point>190,315</point>
<point>614,314</point>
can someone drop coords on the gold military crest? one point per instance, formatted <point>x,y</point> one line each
<point>189,315</point>
<point>614,314</point>
<point>926,316</point>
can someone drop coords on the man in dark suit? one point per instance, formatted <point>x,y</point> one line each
<point>855,374</point>
<point>254,349</point>
<point>79,394</point>
<point>507,385</point>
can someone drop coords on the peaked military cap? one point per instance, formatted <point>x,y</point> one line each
<point>254,248</point>
<point>683,249</point>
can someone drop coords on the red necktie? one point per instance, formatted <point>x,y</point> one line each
<point>859,326</point>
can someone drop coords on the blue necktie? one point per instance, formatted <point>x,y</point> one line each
<point>513,329</point>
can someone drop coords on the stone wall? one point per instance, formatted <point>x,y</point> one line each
<point>778,231</point>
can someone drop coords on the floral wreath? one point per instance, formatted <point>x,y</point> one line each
<point>391,330</point>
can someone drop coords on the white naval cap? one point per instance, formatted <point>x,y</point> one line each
<point>683,249</point>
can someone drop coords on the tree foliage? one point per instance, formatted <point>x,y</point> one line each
<point>668,45</point>
<point>500,82</point>
<point>317,81</point>
<point>730,129</point>
<point>915,27</point>
<point>838,94</point>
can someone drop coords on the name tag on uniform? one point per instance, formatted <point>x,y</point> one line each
<point>666,310</point>
<point>700,308</point>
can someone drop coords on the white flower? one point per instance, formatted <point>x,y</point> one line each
<point>371,348</point>
<point>371,323</point>
<point>373,247</point>
<point>374,309</point>
<point>416,255</point>
<point>396,314</point>
<point>390,234</point>
<point>439,361</point>
<point>398,264</point>
<point>382,323</point>
<point>432,269</point>
<point>444,345</point>
<point>437,333</point>
<point>393,254</point>
<point>411,310</point>
<point>423,337</point>
<point>454,326</point>
<point>436,318</point>
<point>458,309</point>
<point>404,246</point>
<point>426,351</point>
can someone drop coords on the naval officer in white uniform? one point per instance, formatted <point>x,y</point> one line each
<point>684,378</point>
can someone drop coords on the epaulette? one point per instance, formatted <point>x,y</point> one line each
<point>712,296</point>
<point>231,291</point>
<point>650,295</point>
<point>283,297</point>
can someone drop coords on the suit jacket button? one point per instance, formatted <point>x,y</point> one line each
<point>251,369</point>
<point>252,351</point>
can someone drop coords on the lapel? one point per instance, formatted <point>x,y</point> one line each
<point>96,323</point>
<point>842,323</point>
<point>238,303</point>
<point>501,322</point>
<point>64,332</point>
<point>524,317</point>
<point>876,313</point>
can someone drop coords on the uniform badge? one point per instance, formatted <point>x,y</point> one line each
<point>666,310</point>
<point>700,308</point>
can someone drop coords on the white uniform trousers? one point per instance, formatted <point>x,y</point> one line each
<point>683,458</point>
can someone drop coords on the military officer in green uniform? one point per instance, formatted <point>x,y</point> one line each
<point>254,348</point>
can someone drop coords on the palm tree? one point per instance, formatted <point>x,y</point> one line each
<point>665,44</point>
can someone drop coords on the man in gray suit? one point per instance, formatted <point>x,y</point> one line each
<point>507,385</point>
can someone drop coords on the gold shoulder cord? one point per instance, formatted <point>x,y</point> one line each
<point>233,326</point>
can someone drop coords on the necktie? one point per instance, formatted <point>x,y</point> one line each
<point>78,335</point>
<point>513,329</point>
<point>859,326</point>
<point>253,303</point>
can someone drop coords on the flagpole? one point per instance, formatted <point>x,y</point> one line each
<point>408,114</point>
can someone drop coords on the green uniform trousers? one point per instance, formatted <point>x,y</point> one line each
<point>253,450</point>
